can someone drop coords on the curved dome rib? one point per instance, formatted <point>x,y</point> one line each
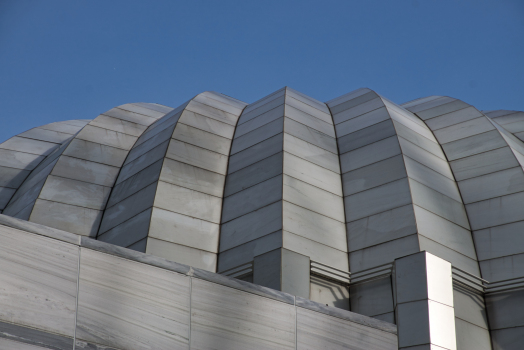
<point>24,152</point>
<point>168,196</point>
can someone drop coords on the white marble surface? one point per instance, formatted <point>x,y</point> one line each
<point>128,305</point>
<point>225,318</point>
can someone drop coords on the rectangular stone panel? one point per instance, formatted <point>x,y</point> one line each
<point>251,226</point>
<point>87,171</point>
<point>506,309</point>
<point>207,124</point>
<point>12,178</point>
<point>382,227</point>
<point>508,339</point>
<point>265,107</point>
<point>417,139</point>
<point>83,194</point>
<point>474,145</point>
<point>372,298</point>
<point>311,121</point>
<point>38,279</point>
<point>455,258</point>
<point>314,227</point>
<point>96,152</point>
<point>130,116</point>
<point>226,318</point>
<point>266,99</point>
<point>305,105</point>
<point>356,111</point>
<point>182,229</point>
<point>498,241</point>
<point>370,154</point>
<point>313,198</point>
<point>19,160</point>
<point>152,143</point>
<point>119,125</point>
<point>354,99</point>
<point>310,135</point>
<point>363,121</point>
<point>252,198</point>
<point>193,155</point>
<point>442,109</point>
<point>257,135</point>
<point>202,139</point>
<point>130,231</point>
<point>462,130</point>
<point>192,177</point>
<point>483,163</point>
<point>492,185</point>
<point>182,254</point>
<point>215,101</point>
<point>438,203</point>
<point>503,268</point>
<point>423,157</point>
<point>261,120</point>
<point>154,315</point>
<point>311,153</point>
<point>22,144</point>
<point>255,153</point>
<point>106,137</point>
<point>366,136</point>
<point>213,113</point>
<point>82,221</point>
<point>312,174</point>
<point>410,121</point>
<point>254,174</point>
<point>453,118</point>
<point>329,293</point>
<point>496,211</point>
<point>470,306</point>
<point>188,202</point>
<point>318,331</point>
<point>377,200</point>
<point>374,175</point>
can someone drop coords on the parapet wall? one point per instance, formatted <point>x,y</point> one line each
<point>63,291</point>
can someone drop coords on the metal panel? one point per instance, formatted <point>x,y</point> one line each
<point>215,100</point>
<point>506,309</point>
<point>246,252</point>
<point>255,153</point>
<point>374,175</point>
<point>269,105</point>
<point>118,125</point>
<point>155,315</point>
<point>380,228</point>
<point>350,100</point>
<point>413,323</point>
<point>135,183</point>
<point>425,103</point>
<point>157,128</point>
<point>27,198</point>
<point>438,203</point>
<point>295,273</point>
<point>378,199</point>
<point>128,207</point>
<point>38,279</point>
<point>12,178</point>
<point>84,170</point>
<point>503,268</point>
<point>188,202</point>
<point>14,345</point>
<point>328,293</point>
<point>151,143</point>
<point>383,253</point>
<point>22,144</point>
<point>474,145</point>
<point>197,156</point>
<point>82,221</point>
<point>314,227</point>
<point>212,113</point>
<point>483,163</point>
<point>453,118</point>
<point>492,185</point>
<point>251,226</point>
<point>498,241</point>
<point>83,194</point>
<point>219,318</point>
<point>313,198</point>
<point>312,174</point>
<point>310,135</point>
<point>19,160</point>
<point>207,124</point>
<point>366,136</point>
<point>305,105</point>
<point>184,230</point>
<point>130,231</point>
<point>106,137</point>
<point>261,120</point>
<point>266,99</point>
<point>496,211</point>
<point>316,251</point>
<point>96,152</point>
<point>318,331</point>
<point>508,339</point>
<point>5,196</point>
<point>311,153</point>
<point>363,121</point>
<point>62,127</point>
<point>462,130</point>
<point>311,121</point>
<point>356,111</point>
<point>202,139</point>
<point>372,298</point>
<point>182,254</point>
<point>444,232</point>
<point>442,109</point>
<point>257,135</point>
<point>252,198</point>
<point>423,157</point>
<point>253,174</point>
<point>410,121</point>
<point>469,306</point>
<point>192,177</point>
<point>141,110</point>
<point>321,106</point>
<point>369,154</point>
<point>415,138</point>
<point>456,259</point>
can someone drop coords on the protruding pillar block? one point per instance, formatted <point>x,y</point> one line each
<point>424,302</point>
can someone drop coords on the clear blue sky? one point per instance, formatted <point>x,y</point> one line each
<point>64,60</point>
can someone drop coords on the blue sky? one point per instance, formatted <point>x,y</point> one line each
<point>64,60</point>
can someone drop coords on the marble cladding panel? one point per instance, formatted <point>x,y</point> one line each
<point>38,281</point>
<point>318,331</point>
<point>182,254</point>
<point>127,305</point>
<point>225,318</point>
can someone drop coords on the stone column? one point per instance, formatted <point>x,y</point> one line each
<point>424,302</point>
